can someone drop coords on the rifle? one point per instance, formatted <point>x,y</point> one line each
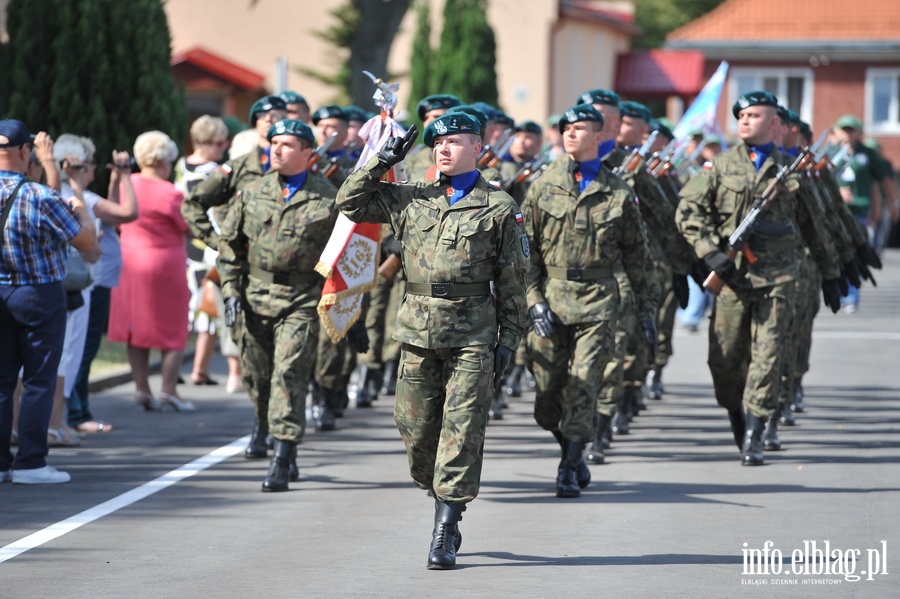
<point>658,156</point>
<point>691,161</point>
<point>738,240</point>
<point>527,170</point>
<point>490,155</point>
<point>636,156</point>
<point>321,151</point>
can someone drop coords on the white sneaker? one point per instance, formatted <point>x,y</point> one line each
<point>48,475</point>
<point>5,476</point>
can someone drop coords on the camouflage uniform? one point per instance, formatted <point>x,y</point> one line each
<point>267,256</point>
<point>751,316</point>
<point>579,242</point>
<point>449,322</point>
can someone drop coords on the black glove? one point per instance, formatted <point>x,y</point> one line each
<point>868,255</point>
<point>699,272</point>
<point>390,246</point>
<point>648,326</point>
<point>542,319</point>
<point>832,293</point>
<point>358,337</point>
<point>864,271</point>
<point>843,284</point>
<point>721,263</point>
<point>394,150</point>
<point>851,273</point>
<point>232,309</point>
<point>681,289</point>
<point>502,358</point>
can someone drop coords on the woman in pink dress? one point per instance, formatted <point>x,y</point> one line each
<point>149,308</point>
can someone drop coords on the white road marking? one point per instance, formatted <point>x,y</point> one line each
<point>124,500</point>
<point>862,335</point>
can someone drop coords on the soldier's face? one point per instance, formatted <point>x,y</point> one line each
<point>631,131</point>
<point>431,115</point>
<point>329,126</point>
<point>264,120</point>
<point>756,124</point>
<point>456,154</point>
<point>525,145</point>
<point>289,155</point>
<point>494,131</point>
<point>581,139</point>
<point>300,112</point>
<point>612,120</point>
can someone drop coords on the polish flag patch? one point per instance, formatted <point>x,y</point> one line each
<point>226,169</point>
<point>519,218</point>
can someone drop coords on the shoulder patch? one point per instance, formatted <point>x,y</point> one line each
<point>226,168</point>
<point>526,247</point>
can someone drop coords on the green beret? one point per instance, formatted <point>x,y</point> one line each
<point>450,123</point>
<point>793,117</point>
<point>290,97</point>
<point>470,109</point>
<point>504,119</point>
<point>599,96</point>
<point>265,104</point>
<point>578,113</point>
<point>848,121</point>
<point>429,103</point>
<point>712,138</point>
<point>234,125</point>
<point>757,98</point>
<point>332,111</point>
<point>529,127</point>
<point>355,113</point>
<point>806,131</point>
<point>487,109</point>
<point>291,127</point>
<point>664,129</point>
<point>635,110</point>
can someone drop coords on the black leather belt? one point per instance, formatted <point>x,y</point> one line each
<point>580,274</point>
<point>449,289</point>
<point>283,278</point>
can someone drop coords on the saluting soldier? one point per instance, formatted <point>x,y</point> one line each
<point>583,227</point>
<point>465,255</point>
<point>749,323</point>
<point>271,241</point>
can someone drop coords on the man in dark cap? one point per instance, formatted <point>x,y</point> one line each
<point>748,330</point>
<point>296,106</point>
<point>419,159</point>
<point>264,112</point>
<point>465,256</point>
<point>271,241</point>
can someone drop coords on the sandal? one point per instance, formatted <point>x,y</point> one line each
<point>146,401</point>
<point>234,385</point>
<point>201,378</point>
<point>59,438</point>
<point>94,426</point>
<point>180,405</point>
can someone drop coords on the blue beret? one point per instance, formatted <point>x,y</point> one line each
<point>331,111</point>
<point>450,123</point>
<point>290,97</point>
<point>265,104</point>
<point>529,127</point>
<point>429,103</point>
<point>489,111</point>
<point>291,127</point>
<point>599,96</point>
<point>635,110</point>
<point>578,113</point>
<point>757,98</point>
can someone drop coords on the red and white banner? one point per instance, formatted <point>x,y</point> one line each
<point>350,259</point>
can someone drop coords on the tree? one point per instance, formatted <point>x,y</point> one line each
<point>98,68</point>
<point>422,57</point>
<point>656,18</point>
<point>465,64</point>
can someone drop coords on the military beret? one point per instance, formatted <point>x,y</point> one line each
<point>504,119</point>
<point>290,97</point>
<point>14,133</point>
<point>553,120</point>
<point>429,103</point>
<point>757,98</point>
<point>848,121</point>
<point>489,111</point>
<point>712,138</point>
<point>331,111</point>
<point>664,130</point>
<point>792,117</point>
<point>470,109</point>
<point>599,96</point>
<point>529,127</point>
<point>806,131</point>
<point>635,110</point>
<point>291,127</point>
<point>450,123</point>
<point>265,104</point>
<point>578,113</point>
<point>355,113</point>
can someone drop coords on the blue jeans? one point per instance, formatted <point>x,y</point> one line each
<point>32,330</point>
<point>698,301</point>
<point>77,402</point>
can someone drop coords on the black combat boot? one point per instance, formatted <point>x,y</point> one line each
<point>513,385</point>
<point>323,412</point>
<point>738,426</point>
<point>771,442</point>
<point>279,469</point>
<point>752,452</point>
<point>582,472</point>
<point>445,538</point>
<point>797,404</point>
<point>389,385</point>
<point>595,451</point>
<point>623,415</point>
<point>367,392</point>
<point>654,383</point>
<point>340,399</point>
<point>566,476</point>
<point>257,447</point>
<point>496,411</point>
<point>787,418</point>
<point>637,400</point>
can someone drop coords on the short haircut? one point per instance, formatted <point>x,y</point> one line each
<point>208,129</point>
<point>153,148</point>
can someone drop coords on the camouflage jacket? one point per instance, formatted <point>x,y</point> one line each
<point>217,191</point>
<point>476,240</point>
<point>716,200</point>
<point>417,163</point>
<point>842,243</point>
<point>598,228</point>
<point>287,238</point>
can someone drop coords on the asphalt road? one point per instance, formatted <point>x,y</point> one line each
<point>165,506</point>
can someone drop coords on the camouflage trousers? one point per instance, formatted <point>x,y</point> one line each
<point>376,322</point>
<point>665,319</point>
<point>391,349</point>
<point>569,370</point>
<point>441,411</point>
<point>277,355</point>
<point>748,339</point>
<point>614,370</point>
<point>334,362</point>
<point>808,285</point>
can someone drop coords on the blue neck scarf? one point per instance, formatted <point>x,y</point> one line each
<point>758,154</point>
<point>336,153</point>
<point>293,184</point>
<point>605,148</point>
<point>461,186</point>
<point>586,172</point>
<point>795,151</point>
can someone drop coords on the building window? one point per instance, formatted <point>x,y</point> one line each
<point>883,101</point>
<point>793,87</point>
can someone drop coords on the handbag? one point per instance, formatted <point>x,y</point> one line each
<point>208,299</point>
<point>78,275</point>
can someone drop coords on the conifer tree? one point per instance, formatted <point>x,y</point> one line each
<point>421,61</point>
<point>465,64</point>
